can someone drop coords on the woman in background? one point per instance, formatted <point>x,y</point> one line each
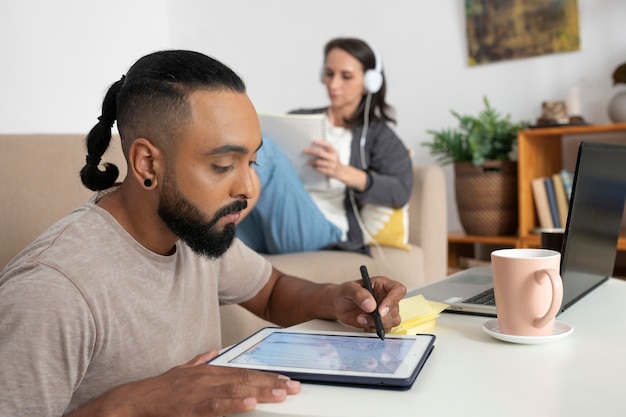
<point>364,160</point>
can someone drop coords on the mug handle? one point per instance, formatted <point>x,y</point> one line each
<point>557,295</point>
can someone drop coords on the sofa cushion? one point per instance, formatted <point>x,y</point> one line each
<point>386,226</point>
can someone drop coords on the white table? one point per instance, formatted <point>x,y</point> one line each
<point>471,374</point>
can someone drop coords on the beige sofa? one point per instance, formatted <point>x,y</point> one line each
<point>40,184</point>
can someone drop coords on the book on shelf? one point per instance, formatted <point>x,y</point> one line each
<point>551,195</point>
<point>541,203</point>
<point>568,179</point>
<point>293,133</point>
<point>561,198</point>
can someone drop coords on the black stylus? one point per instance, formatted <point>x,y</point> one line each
<point>380,330</point>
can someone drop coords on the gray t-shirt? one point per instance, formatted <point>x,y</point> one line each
<point>86,308</point>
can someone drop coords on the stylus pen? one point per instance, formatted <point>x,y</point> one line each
<point>380,330</point>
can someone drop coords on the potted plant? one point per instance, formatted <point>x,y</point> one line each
<point>617,105</point>
<point>483,151</point>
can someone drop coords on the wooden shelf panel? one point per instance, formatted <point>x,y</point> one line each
<point>460,237</point>
<point>575,130</point>
<point>534,241</point>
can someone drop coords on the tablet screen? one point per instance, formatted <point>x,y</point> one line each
<point>332,356</point>
<point>327,352</point>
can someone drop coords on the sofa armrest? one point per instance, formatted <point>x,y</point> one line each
<point>428,219</point>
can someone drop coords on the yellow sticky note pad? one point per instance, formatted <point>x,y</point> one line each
<point>418,314</point>
<point>422,328</point>
<point>415,306</point>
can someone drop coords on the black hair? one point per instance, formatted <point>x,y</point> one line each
<point>359,49</point>
<point>151,101</point>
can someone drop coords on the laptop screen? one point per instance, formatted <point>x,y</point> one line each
<point>595,216</point>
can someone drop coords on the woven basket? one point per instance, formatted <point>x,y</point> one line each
<point>486,197</point>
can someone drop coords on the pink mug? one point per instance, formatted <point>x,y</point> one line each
<point>528,290</point>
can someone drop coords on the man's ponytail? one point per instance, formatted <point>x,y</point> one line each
<point>97,142</point>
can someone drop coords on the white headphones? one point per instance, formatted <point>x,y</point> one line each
<point>373,78</point>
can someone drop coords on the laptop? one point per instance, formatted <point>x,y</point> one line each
<point>590,241</point>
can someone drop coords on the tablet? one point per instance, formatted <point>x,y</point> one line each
<point>333,357</point>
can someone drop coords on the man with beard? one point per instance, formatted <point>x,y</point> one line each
<point>102,313</point>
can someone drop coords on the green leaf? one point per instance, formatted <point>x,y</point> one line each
<point>489,136</point>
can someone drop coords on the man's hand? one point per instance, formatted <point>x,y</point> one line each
<point>194,389</point>
<point>354,303</point>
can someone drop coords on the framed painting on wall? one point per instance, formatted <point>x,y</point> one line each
<point>499,30</point>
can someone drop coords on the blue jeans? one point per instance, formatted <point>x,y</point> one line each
<point>285,218</point>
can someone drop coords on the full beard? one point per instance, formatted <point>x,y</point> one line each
<point>187,222</point>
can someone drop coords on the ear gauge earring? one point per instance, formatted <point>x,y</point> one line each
<point>147,183</point>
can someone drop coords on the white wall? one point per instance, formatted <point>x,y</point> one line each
<point>58,60</point>
<point>59,57</point>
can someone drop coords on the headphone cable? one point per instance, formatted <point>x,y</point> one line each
<point>355,209</point>
<point>366,123</point>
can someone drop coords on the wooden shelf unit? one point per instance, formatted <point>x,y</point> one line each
<point>545,151</point>
<point>541,153</point>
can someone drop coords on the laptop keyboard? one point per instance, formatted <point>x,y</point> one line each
<point>486,298</point>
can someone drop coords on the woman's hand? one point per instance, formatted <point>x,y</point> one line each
<point>325,160</point>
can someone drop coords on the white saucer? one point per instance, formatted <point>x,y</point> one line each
<point>561,330</point>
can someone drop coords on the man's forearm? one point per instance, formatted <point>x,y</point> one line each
<point>295,300</point>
